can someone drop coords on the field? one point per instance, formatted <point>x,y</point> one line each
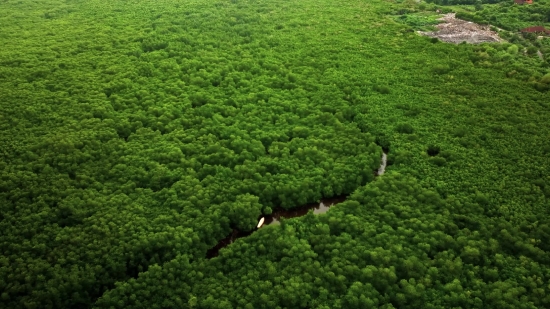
<point>135,135</point>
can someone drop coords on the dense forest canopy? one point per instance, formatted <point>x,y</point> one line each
<point>137,134</point>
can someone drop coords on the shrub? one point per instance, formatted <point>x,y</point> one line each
<point>441,69</point>
<point>439,161</point>
<point>383,89</point>
<point>463,91</point>
<point>460,132</point>
<point>448,155</point>
<point>531,50</point>
<point>481,198</point>
<point>400,157</point>
<point>405,128</point>
<point>465,16</point>
<point>542,87</point>
<point>513,50</point>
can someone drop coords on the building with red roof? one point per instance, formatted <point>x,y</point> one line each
<point>536,29</point>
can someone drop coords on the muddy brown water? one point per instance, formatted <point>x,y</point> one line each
<point>279,212</point>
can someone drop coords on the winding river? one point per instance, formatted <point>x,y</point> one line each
<point>278,213</point>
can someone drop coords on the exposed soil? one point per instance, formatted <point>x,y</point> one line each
<point>456,31</point>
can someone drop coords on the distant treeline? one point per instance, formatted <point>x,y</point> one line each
<point>467,2</point>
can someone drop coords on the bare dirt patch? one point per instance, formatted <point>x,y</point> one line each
<point>456,31</point>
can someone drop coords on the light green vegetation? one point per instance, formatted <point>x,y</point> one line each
<point>424,21</point>
<point>514,17</point>
<point>137,134</point>
<point>510,19</point>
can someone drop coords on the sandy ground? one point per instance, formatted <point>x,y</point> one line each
<point>456,31</point>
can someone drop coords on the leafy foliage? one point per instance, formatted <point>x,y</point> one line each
<point>509,16</point>
<point>136,135</point>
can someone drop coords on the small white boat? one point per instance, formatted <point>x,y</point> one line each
<point>261,222</point>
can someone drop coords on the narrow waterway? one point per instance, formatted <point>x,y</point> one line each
<point>278,213</point>
<point>383,164</point>
<point>318,208</point>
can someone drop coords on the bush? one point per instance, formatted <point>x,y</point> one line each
<point>481,198</point>
<point>513,50</point>
<point>465,16</point>
<point>439,161</point>
<point>405,128</point>
<point>459,132</point>
<point>400,157</point>
<point>448,155</point>
<point>542,87</point>
<point>441,69</point>
<point>545,79</point>
<point>383,89</point>
<point>531,50</point>
<point>463,91</point>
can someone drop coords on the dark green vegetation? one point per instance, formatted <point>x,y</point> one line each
<point>135,135</point>
<point>477,3</point>
<point>423,22</point>
<point>513,17</point>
